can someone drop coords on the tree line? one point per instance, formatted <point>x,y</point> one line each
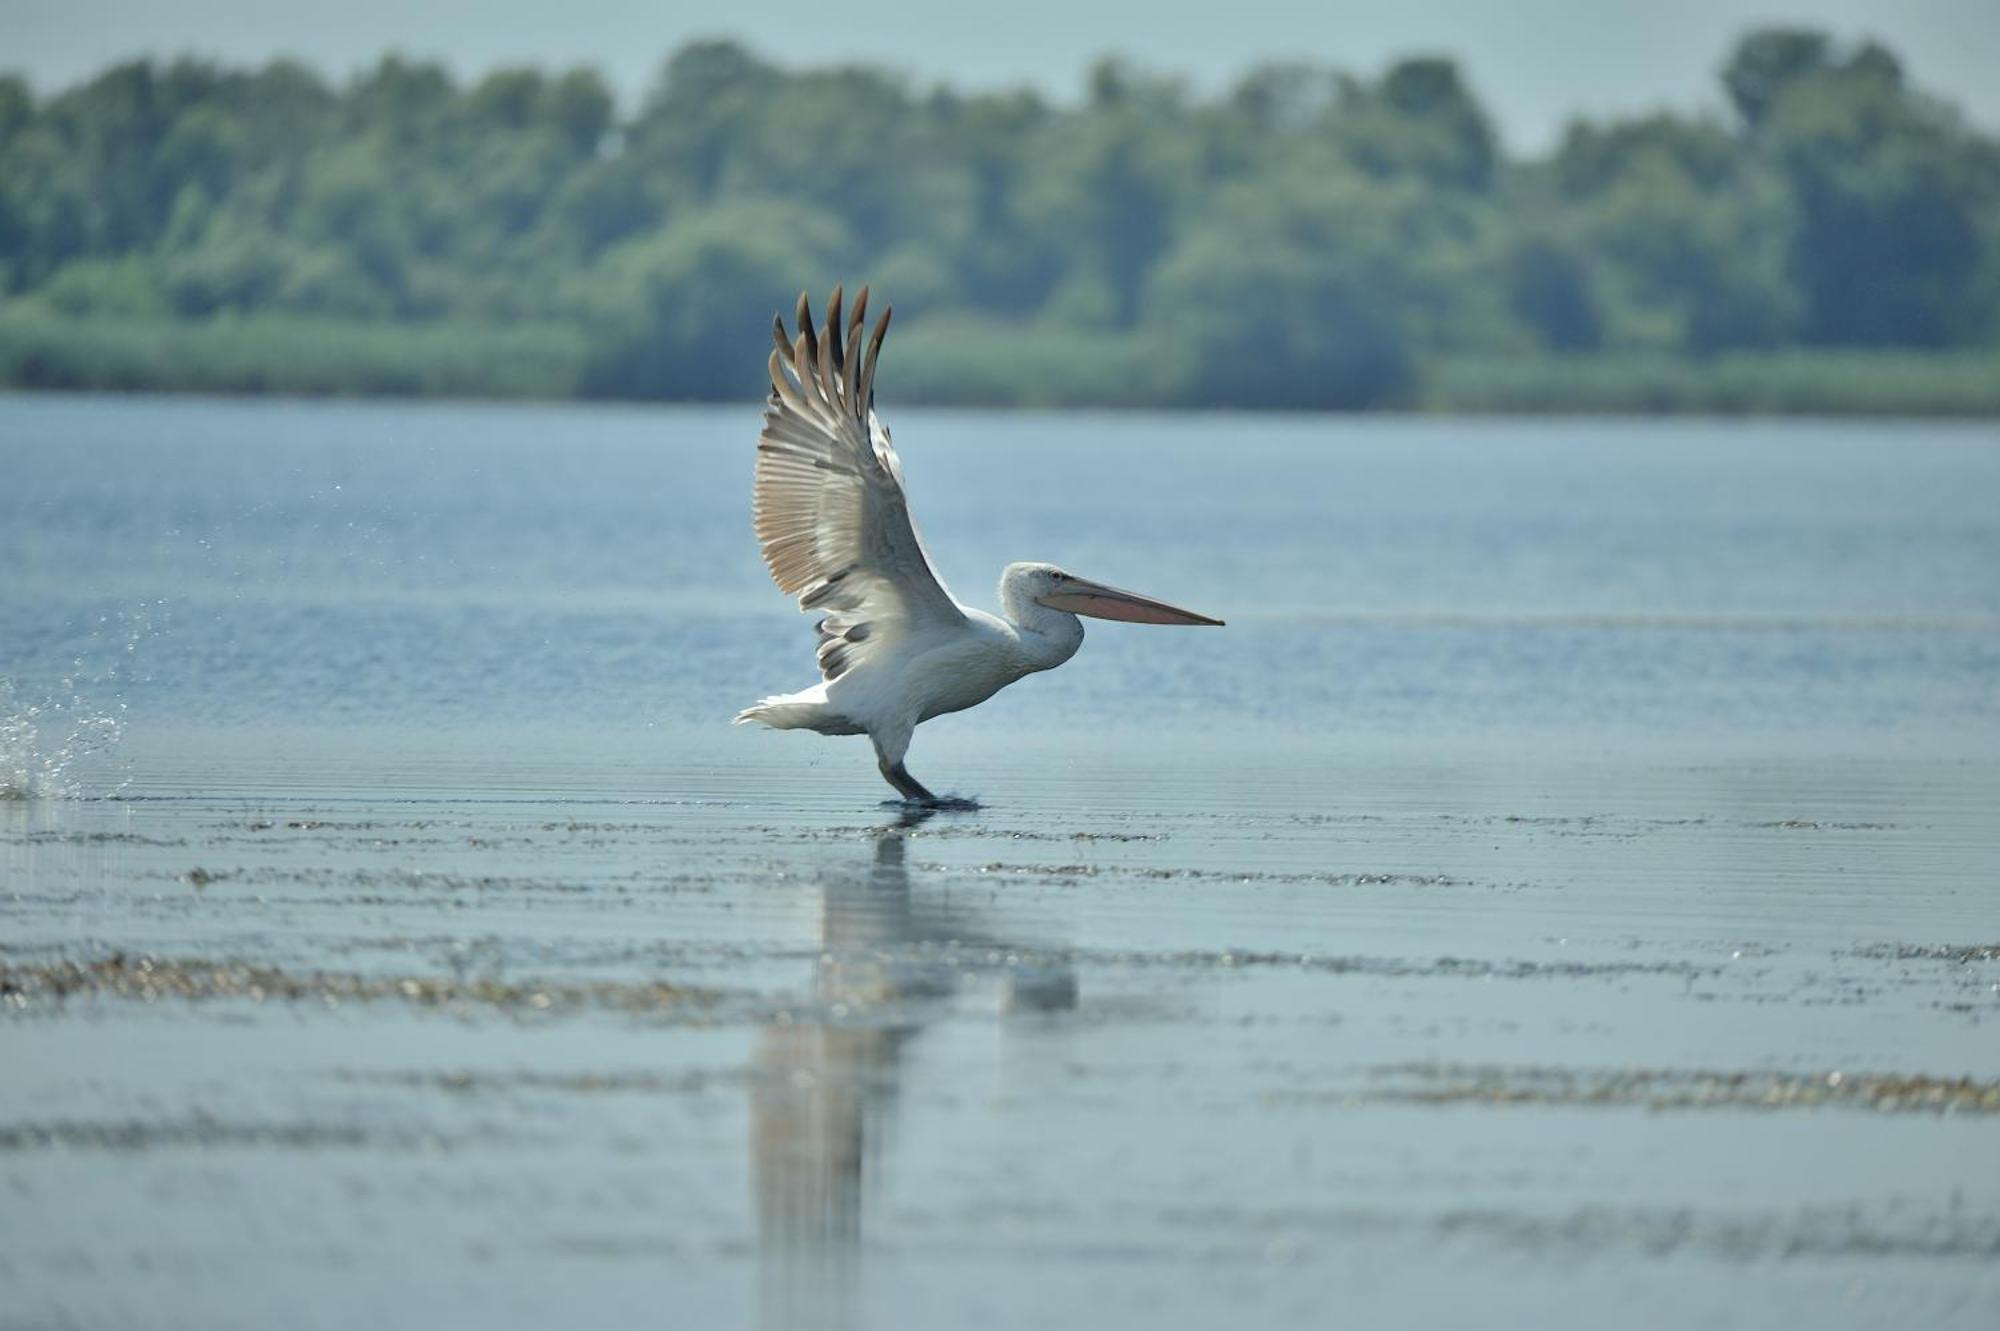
<point>1304,238</point>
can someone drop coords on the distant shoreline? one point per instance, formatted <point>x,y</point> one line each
<point>956,365</point>
<point>1305,239</point>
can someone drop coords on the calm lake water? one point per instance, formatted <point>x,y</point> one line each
<point>1571,883</point>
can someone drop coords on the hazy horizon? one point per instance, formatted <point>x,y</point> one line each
<point>1534,65</point>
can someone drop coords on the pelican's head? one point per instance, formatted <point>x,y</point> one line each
<point>1045,584</point>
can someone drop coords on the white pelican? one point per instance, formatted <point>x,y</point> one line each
<point>894,647</point>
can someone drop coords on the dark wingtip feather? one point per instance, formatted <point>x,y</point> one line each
<point>833,328</point>
<point>806,328</point>
<point>866,394</point>
<point>850,386</point>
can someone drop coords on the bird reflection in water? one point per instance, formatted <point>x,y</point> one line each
<point>824,1097</point>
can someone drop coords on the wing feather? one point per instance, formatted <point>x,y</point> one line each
<point>830,511</point>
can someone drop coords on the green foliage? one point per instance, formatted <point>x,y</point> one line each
<point>1420,120</point>
<point>1895,203</point>
<point>1307,238</point>
<point>1869,383</point>
<point>1549,289</point>
<point>280,354</point>
<point>686,311</point>
<point>1290,301</point>
<point>1007,365</point>
<point>1766,63</point>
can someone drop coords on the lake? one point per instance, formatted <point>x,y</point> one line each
<point>1570,884</point>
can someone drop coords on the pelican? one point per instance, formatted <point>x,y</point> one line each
<point>895,648</point>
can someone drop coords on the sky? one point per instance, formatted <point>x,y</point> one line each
<point>1534,63</point>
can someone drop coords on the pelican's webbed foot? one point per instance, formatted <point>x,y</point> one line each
<point>920,809</point>
<point>914,792</point>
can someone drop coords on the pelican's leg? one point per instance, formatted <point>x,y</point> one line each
<point>890,746</point>
<point>899,776</point>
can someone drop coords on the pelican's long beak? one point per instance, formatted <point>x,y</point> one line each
<point>1081,596</point>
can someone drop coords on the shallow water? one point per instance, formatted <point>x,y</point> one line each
<point>1569,881</point>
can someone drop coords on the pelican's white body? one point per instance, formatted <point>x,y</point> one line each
<point>934,670</point>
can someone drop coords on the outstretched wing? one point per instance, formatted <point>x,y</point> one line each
<point>830,510</point>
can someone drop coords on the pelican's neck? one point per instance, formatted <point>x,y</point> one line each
<point>1048,637</point>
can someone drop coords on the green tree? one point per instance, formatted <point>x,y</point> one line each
<point>686,312</point>
<point>1293,298</point>
<point>1894,201</point>
<point>1688,231</point>
<point>1549,288</point>
<point>1419,120</point>
<point>1766,63</point>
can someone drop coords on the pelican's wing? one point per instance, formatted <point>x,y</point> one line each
<point>830,510</point>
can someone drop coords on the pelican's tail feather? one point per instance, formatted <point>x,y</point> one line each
<point>807,710</point>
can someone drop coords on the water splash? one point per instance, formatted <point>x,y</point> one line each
<point>56,739</point>
<point>44,745</point>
